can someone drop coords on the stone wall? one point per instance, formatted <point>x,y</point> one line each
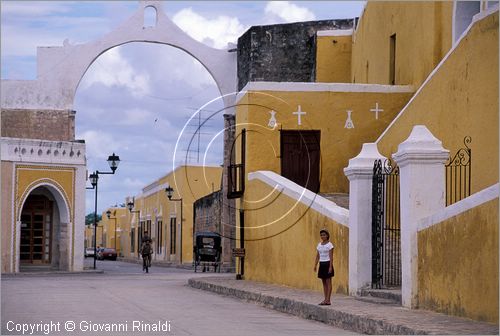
<point>207,213</point>
<point>282,52</point>
<point>52,125</point>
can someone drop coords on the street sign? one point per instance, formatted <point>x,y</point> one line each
<point>238,252</point>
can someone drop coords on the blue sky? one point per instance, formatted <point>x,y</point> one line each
<point>136,98</point>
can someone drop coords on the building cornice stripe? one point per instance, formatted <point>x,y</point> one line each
<point>322,87</point>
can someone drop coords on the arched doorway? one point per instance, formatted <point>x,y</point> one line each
<point>36,231</point>
<point>43,231</point>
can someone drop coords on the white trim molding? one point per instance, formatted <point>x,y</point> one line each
<point>460,207</point>
<point>296,192</point>
<point>337,32</point>
<point>322,87</point>
<point>42,151</point>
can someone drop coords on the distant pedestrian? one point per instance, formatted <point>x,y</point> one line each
<point>324,256</point>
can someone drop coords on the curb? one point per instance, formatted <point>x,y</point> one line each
<point>337,318</point>
<point>47,273</point>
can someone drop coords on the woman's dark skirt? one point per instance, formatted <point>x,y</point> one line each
<point>323,270</point>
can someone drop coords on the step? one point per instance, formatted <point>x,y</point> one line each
<point>345,311</point>
<point>377,300</point>
<point>342,200</point>
<point>393,295</point>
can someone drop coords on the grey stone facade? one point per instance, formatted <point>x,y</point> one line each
<point>208,213</point>
<point>52,125</point>
<point>282,52</point>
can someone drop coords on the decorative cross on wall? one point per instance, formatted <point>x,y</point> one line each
<point>299,113</point>
<point>376,110</point>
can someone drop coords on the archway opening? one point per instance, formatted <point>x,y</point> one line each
<point>43,239</point>
<point>150,17</point>
<point>147,102</point>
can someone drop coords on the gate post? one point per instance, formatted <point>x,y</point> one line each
<point>421,160</point>
<point>360,174</point>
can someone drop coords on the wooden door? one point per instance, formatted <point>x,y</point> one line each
<point>36,230</point>
<point>300,158</point>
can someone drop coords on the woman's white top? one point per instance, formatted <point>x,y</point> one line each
<point>324,251</point>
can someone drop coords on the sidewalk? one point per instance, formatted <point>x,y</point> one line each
<point>345,312</point>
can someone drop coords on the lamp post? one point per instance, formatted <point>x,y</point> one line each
<point>113,161</point>
<point>130,206</point>
<point>108,214</point>
<point>170,191</point>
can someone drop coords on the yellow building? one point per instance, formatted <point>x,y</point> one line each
<point>404,64</point>
<point>152,211</point>
<point>43,174</point>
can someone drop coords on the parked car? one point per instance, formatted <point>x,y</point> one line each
<point>89,252</point>
<point>107,253</point>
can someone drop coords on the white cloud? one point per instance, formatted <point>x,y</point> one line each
<point>99,144</point>
<point>133,183</point>
<point>35,8</point>
<point>137,116</point>
<point>111,69</point>
<point>217,32</point>
<point>287,12</point>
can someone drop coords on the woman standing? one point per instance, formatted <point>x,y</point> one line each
<point>325,258</point>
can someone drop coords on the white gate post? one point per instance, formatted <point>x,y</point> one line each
<point>421,160</point>
<point>360,175</point>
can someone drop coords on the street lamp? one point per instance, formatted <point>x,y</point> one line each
<point>108,214</point>
<point>130,206</point>
<point>170,191</point>
<point>113,161</point>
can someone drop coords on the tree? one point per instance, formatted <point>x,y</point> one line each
<point>89,219</point>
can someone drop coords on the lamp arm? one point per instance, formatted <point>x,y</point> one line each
<point>105,173</point>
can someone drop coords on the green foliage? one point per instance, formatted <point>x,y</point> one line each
<point>89,219</point>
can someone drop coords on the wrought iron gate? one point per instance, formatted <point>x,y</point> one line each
<point>386,229</point>
<point>458,174</point>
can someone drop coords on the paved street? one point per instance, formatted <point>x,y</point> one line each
<point>123,297</point>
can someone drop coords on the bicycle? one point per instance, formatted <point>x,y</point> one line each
<point>146,262</point>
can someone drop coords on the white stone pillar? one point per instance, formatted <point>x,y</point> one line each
<point>421,160</point>
<point>360,175</point>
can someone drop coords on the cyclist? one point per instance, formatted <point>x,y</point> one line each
<point>146,251</point>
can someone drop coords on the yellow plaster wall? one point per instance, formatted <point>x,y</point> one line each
<point>124,223</point>
<point>333,59</point>
<point>326,111</point>
<point>423,36</point>
<point>190,183</point>
<point>109,226</point>
<point>27,176</point>
<point>281,238</point>
<point>458,264</point>
<point>6,239</point>
<point>461,99</point>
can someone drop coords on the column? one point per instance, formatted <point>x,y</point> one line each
<point>228,213</point>
<point>360,175</point>
<point>421,160</point>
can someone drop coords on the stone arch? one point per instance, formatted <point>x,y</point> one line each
<point>60,69</point>
<point>62,220</point>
